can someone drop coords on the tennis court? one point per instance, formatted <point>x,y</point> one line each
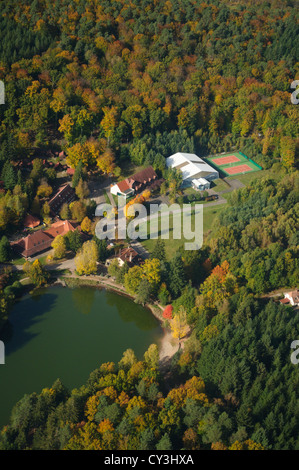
<point>233,163</point>
<point>233,170</point>
<point>224,160</point>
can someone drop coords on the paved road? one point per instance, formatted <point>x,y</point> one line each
<point>97,189</point>
<point>140,249</point>
<point>67,264</point>
<point>234,184</point>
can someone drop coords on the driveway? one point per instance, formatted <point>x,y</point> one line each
<point>234,184</point>
<point>140,249</point>
<point>97,189</point>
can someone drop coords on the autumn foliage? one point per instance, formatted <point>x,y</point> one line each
<point>167,312</point>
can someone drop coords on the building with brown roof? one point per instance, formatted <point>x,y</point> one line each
<point>126,255</point>
<point>31,221</point>
<point>70,171</point>
<point>291,298</point>
<point>65,194</point>
<point>40,241</point>
<point>135,183</point>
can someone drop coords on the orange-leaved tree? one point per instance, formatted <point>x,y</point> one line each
<point>167,312</point>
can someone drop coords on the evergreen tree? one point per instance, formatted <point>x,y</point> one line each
<point>143,292</point>
<point>159,250</point>
<point>102,248</point>
<point>8,176</point>
<point>74,240</point>
<point>177,280</point>
<point>164,443</point>
<point>19,179</point>
<point>78,174</point>
<point>5,250</point>
<point>65,212</point>
<point>120,275</point>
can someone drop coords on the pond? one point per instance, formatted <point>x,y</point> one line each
<point>67,333</point>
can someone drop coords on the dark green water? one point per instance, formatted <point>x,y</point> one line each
<point>66,333</point>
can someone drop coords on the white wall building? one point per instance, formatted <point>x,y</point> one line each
<point>201,184</point>
<point>293,297</point>
<point>196,172</point>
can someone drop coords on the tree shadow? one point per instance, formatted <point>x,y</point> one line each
<point>25,314</point>
<point>131,312</point>
<point>84,297</point>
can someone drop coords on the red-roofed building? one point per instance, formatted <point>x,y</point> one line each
<point>61,227</point>
<point>285,301</point>
<point>291,298</point>
<point>41,240</point>
<point>126,255</point>
<point>70,171</point>
<point>135,183</point>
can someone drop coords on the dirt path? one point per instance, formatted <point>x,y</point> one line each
<point>169,346</point>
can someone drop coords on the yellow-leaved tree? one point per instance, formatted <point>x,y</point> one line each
<point>86,225</point>
<point>109,121</point>
<point>86,259</point>
<point>179,326</point>
<point>59,246</point>
<point>152,270</point>
<point>36,272</point>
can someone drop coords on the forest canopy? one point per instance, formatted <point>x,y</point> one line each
<point>104,86</point>
<point>125,77</point>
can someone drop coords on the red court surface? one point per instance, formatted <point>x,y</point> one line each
<point>225,160</point>
<point>238,169</point>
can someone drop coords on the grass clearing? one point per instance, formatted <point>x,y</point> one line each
<point>18,261</point>
<point>219,185</point>
<point>247,178</point>
<point>172,245</point>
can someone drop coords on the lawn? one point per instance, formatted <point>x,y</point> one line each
<point>107,197</point>
<point>190,190</point>
<point>21,261</point>
<point>18,261</point>
<point>219,185</point>
<point>172,245</point>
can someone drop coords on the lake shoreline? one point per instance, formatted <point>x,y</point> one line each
<point>68,333</point>
<point>169,346</point>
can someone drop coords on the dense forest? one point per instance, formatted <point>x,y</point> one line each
<point>112,81</point>
<point>237,391</point>
<point>258,234</point>
<point>113,84</point>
